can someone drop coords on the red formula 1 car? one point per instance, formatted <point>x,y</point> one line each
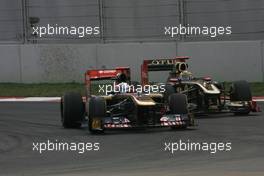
<point>204,94</point>
<point>107,106</point>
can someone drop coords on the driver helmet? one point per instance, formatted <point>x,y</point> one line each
<point>121,77</point>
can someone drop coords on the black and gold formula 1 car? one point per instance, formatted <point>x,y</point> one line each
<point>204,95</point>
<point>105,108</point>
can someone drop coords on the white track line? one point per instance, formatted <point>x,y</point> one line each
<point>31,99</point>
<point>259,100</point>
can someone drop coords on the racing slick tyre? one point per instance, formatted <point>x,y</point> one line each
<point>178,105</point>
<point>240,91</point>
<point>72,110</point>
<point>97,111</point>
<point>169,90</point>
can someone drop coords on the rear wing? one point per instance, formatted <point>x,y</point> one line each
<point>103,74</point>
<point>158,65</point>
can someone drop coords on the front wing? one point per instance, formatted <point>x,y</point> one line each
<point>169,120</point>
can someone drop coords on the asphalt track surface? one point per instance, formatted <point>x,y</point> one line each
<point>139,152</point>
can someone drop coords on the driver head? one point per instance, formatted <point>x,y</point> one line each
<point>121,77</point>
<point>179,67</point>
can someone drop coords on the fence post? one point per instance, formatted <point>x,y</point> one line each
<point>262,58</point>
<point>182,16</point>
<point>25,21</point>
<point>101,19</point>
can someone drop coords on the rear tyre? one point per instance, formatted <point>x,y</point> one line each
<point>240,91</point>
<point>72,110</point>
<point>97,111</point>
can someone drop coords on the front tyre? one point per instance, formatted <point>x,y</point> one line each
<point>178,105</point>
<point>96,113</point>
<point>72,110</point>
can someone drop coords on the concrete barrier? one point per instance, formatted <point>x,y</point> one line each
<point>240,60</point>
<point>57,63</point>
<point>234,60</point>
<point>10,63</point>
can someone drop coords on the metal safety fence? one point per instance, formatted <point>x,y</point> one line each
<point>127,20</point>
